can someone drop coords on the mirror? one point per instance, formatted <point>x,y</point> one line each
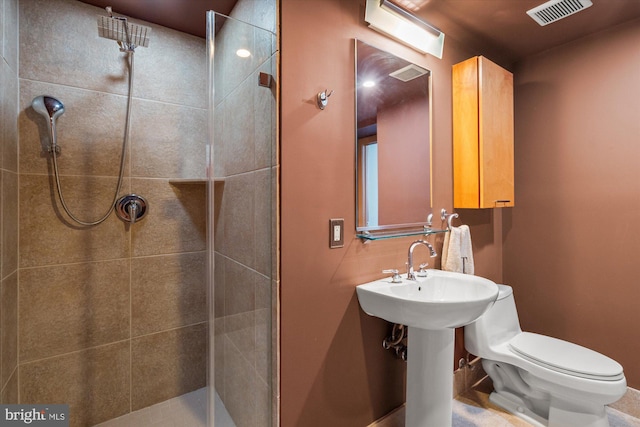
<point>393,141</point>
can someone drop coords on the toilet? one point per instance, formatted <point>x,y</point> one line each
<point>545,381</point>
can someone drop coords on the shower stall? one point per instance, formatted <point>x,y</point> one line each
<point>120,317</point>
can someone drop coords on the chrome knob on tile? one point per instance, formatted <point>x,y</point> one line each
<point>131,208</point>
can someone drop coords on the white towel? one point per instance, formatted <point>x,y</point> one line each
<point>457,253</point>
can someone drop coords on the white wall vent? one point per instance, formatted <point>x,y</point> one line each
<point>555,10</point>
<point>409,72</point>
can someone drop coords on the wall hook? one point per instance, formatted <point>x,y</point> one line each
<point>445,216</point>
<point>323,99</point>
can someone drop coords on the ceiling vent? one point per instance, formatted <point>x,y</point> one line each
<point>409,72</point>
<point>555,10</point>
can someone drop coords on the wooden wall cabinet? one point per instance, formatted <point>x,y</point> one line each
<point>482,135</point>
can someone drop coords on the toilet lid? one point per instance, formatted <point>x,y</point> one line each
<point>565,357</point>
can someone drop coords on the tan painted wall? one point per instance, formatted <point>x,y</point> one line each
<point>334,371</point>
<point>572,242</point>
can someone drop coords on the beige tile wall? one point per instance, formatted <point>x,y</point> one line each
<point>245,239</point>
<point>113,318</point>
<point>8,200</point>
<point>168,364</point>
<point>93,382</point>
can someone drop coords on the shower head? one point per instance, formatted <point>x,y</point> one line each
<point>128,35</point>
<point>48,106</point>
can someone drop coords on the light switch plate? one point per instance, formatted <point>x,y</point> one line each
<point>336,233</point>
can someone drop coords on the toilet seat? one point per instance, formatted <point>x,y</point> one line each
<point>565,357</point>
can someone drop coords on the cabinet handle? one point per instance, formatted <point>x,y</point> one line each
<point>502,201</point>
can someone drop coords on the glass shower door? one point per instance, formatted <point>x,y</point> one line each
<point>242,171</point>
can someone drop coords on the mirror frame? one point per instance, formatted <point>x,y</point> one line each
<point>399,229</point>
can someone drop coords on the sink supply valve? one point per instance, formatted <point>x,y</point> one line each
<point>464,362</point>
<point>131,208</point>
<point>323,98</point>
<point>397,341</point>
<point>396,278</point>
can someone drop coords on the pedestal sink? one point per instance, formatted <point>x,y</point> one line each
<point>432,307</point>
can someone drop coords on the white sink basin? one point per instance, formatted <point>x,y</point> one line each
<point>441,300</point>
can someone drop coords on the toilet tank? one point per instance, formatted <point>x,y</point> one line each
<point>497,325</point>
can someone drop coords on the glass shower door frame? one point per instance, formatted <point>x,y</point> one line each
<point>242,174</point>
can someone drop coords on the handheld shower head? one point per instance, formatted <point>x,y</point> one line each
<point>48,106</point>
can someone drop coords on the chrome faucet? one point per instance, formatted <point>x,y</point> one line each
<point>410,274</point>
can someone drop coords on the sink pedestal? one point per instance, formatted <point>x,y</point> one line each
<point>429,377</point>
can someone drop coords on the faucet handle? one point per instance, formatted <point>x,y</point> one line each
<point>423,270</point>
<point>396,275</point>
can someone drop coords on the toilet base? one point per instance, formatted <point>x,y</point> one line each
<point>530,398</point>
<point>561,414</point>
<point>570,414</point>
<point>518,410</point>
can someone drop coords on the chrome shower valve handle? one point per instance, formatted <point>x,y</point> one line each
<point>131,208</point>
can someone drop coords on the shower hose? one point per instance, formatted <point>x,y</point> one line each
<point>122,158</point>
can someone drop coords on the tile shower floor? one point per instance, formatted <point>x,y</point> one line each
<point>471,409</point>
<point>188,410</point>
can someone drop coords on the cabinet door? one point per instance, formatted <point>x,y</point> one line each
<point>466,162</point>
<point>495,111</point>
<point>482,135</point>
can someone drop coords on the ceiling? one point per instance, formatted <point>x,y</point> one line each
<point>499,29</point>
<point>502,30</point>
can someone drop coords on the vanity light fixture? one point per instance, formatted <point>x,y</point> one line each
<point>397,23</point>
<point>369,83</point>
